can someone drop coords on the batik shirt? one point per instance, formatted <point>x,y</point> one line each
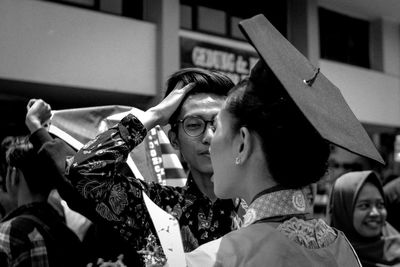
<point>100,173</point>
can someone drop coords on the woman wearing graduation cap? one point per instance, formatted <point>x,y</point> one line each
<point>271,141</point>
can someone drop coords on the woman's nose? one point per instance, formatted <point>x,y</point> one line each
<point>374,211</point>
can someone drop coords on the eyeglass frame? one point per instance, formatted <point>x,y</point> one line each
<point>206,123</point>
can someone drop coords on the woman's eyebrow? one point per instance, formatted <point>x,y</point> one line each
<point>369,200</point>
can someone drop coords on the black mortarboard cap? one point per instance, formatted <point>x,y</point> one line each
<point>318,99</point>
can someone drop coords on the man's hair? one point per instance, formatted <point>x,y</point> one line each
<point>206,81</point>
<point>23,157</point>
<point>6,143</point>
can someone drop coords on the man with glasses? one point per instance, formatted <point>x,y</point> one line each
<point>204,217</point>
<point>116,195</point>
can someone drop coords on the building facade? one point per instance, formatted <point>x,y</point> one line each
<point>76,53</point>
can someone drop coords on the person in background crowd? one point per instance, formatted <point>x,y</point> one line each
<point>357,207</point>
<point>201,215</point>
<point>392,198</point>
<point>100,245</point>
<point>340,161</point>
<point>6,202</point>
<point>34,234</point>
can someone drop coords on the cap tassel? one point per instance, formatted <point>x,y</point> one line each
<point>311,81</point>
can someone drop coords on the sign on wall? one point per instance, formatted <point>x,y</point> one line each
<point>234,62</point>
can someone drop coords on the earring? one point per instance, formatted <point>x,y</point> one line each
<point>237,161</point>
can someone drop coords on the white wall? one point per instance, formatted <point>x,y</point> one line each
<point>56,44</point>
<point>373,96</point>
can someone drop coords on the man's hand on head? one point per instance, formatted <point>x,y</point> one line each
<point>38,114</point>
<point>160,114</point>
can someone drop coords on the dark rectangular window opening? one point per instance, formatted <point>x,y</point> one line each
<point>125,8</point>
<point>343,38</point>
<point>221,17</point>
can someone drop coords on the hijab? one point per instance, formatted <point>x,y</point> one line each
<point>383,250</point>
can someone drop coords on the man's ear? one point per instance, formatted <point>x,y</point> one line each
<point>173,138</point>
<point>14,177</point>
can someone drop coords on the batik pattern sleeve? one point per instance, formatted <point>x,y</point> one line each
<point>100,174</point>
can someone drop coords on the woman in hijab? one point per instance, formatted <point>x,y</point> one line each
<point>357,208</point>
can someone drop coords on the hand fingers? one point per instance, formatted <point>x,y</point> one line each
<point>30,103</point>
<point>47,106</point>
<point>178,85</point>
<point>40,103</point>
<point>180,92</point>
<point>188,87</point>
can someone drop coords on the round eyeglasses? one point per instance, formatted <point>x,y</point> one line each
<point>195,126</point>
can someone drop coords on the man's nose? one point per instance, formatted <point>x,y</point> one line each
<point>208,133</point>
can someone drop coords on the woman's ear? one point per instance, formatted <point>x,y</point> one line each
<point>244,145</point>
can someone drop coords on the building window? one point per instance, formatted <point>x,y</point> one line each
<point>80,2</point>
<point>222,17</point>
<point>212,20</point>
<point>186,17</point>
<point>235,32</point>
<point>126,8</point>
<point>111,6</point>
<point>343,38</point>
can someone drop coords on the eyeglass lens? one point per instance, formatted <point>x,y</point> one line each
<point>194,126</point>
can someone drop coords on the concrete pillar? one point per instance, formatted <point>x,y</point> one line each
<point>166,15</point>
<point>385,46</point>
<point>376,44</point>
<point>303,28</point>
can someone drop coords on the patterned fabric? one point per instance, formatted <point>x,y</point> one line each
<point>154,160</point>
<point>311,234</point>
<point>278,203</point>
<point>275,235</point>
<point>261,244</point>
<point>35,235</point>
<point>21,245</point>
<point>100,173</point>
